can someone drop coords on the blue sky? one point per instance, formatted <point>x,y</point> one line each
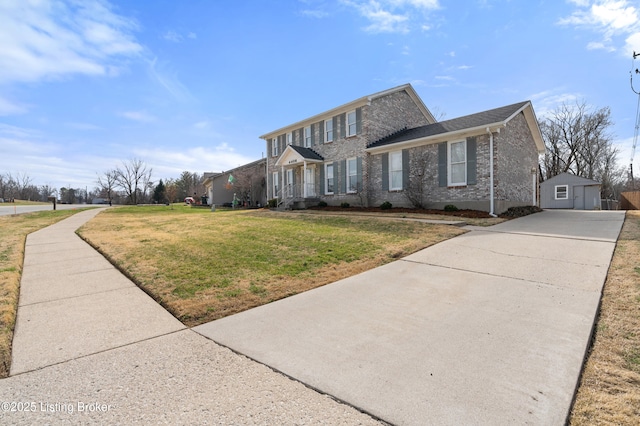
<point>192,84</point>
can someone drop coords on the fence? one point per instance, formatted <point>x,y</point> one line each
<point>630,200</point>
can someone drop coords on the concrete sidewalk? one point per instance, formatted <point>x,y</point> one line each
<point>90,347</point>
<point>490,327</point>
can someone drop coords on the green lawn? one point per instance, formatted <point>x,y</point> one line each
<point>202,265</point>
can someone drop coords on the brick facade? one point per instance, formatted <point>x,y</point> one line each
<point>515,155</point>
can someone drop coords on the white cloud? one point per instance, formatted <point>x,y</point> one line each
<point>43,39</point>
<point>139,116</point>
<point>315,13</point>
<point>10,108</point>
<point>547,101</point>
<point>393,16</point>
<point>610,18</point>
<point>218,158</point>
<point>176,37</point>
<point>172,36</point>
<point>168,80</point>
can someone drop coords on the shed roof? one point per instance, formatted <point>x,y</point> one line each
<point>568,178</point>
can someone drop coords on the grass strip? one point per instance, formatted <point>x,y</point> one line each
<point>609,391</point>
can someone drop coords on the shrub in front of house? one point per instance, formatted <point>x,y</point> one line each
<point>322,204</point>
<point>386,205</point>
<point>272,203</point>
<point>344,205</point>
<point>450,208</point>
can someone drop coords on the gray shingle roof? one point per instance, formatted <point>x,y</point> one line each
<point>307,153</point>
<point>492,116</point>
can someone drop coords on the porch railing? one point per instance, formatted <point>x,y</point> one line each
<point>295,192</point>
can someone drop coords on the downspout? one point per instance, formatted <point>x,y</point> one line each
<point>491,195</point>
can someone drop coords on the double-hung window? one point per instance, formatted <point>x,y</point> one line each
<point>395,171</point>
<point>274,147</point>
<point>328,131</point>
<point>352,175</point>
<point>276,184</point>
<point>458,163</point>
<point>328,176</point>
<point>562,192</point>
<point>351,123</point>
<point>289,138</point>
<point>307,136</point>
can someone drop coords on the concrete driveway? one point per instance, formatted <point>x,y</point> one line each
<point>490,327</point>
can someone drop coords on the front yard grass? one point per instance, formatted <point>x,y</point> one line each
<point>13,233</point>
<point>202,266</point>
<point>609,391</point>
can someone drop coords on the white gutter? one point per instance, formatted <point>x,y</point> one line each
<point>491,195</point>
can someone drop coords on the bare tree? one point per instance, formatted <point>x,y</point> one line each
<point>108,182</point>
<point>417,189</point>
<point>133,178</point>
<point>578,141</point>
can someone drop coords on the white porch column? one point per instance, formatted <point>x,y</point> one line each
<point>282,180</point>
<point>304,180</point>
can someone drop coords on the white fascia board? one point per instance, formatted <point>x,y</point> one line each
<point>365,100</point>
<point>442,137</point>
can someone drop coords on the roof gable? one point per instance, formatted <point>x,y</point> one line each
<point>365,100</point>
<point>298,154</point>
<point>496,117</point>
<point>569,178</point>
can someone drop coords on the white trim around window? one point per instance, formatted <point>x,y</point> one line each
<point>274,147</point>
<point>329,181</point>
<point>561,192</point>
<point>290,138</point>
<point>395,171</point>
<point>328,130</point>
<point>457,159</point>
<point>352,128</point>
<point>352,175</point>
<point>307,137</point>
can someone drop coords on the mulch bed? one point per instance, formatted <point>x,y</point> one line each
<point>459,213</point>
<point>476,214</point>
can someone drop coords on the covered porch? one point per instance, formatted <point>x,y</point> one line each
<point>299,167</point>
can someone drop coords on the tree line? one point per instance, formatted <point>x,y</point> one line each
<point>130,183</point>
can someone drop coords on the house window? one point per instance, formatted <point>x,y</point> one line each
<point>328,131</point>
<point>329,181</point>
<point>395,171</point>
<point>274,147</point>
<point>457,163</point>
<point>351,123</point>
<point>562,192</point>
<point>276,186</point>
<point>307,136</point>
<point>352,175</point>
<point>289,138</point>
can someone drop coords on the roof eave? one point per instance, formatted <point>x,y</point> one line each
<point>365,100</point>
<point>440,137</point>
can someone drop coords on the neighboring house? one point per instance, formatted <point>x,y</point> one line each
<point>247,183</point>
<point>389,147</point>
<point>567,191</point>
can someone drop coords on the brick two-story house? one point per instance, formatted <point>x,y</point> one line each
<point>389,147</point>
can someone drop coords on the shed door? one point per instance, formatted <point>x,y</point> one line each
<point>578,197</point>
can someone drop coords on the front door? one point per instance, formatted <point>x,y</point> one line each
<point>289,183</point>
<point>310,181</point>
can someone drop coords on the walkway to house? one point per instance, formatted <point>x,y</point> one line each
<point>487,328</point>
